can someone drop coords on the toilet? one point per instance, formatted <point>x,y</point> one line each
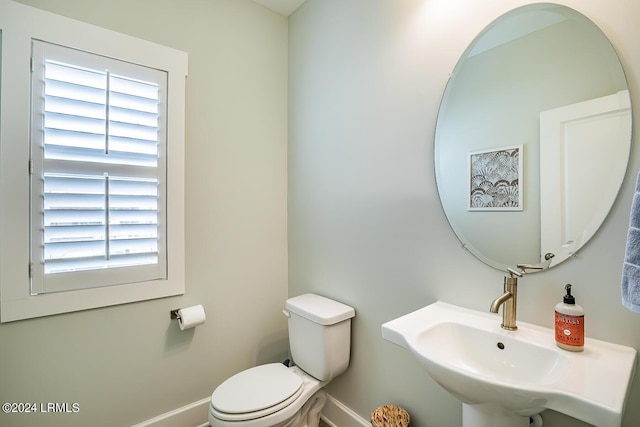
<point>276,395</point>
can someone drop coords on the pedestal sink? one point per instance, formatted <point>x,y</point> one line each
<point>504,377</point>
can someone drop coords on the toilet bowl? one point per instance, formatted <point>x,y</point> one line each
<point>275,395</point>
<point>268,395</point>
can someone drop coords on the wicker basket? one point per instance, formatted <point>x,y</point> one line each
<point>390,416</point>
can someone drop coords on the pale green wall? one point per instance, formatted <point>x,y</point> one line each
<point>130,363</point>
<point>365,223</point>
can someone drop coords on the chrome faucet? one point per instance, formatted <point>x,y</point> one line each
<point>510,296</point>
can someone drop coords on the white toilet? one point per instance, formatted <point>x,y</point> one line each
<point>274,395</point>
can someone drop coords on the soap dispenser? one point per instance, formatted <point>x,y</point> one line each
<point>569,323</point>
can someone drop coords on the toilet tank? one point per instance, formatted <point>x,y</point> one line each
<point>319,335</point>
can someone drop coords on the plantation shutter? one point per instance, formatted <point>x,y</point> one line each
<point>98,171</point>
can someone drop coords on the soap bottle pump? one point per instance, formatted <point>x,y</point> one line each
<point>569,323</point>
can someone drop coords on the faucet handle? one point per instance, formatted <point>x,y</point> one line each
<point>523,269</point>
<point>514,273</point>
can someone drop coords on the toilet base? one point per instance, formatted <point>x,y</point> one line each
<point>309,414</point>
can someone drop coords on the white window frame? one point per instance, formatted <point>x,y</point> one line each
<point>19,25</point>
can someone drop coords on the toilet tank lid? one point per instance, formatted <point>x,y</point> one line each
<point>318,309</point>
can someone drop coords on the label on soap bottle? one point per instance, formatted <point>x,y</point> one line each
<point>570,329</point>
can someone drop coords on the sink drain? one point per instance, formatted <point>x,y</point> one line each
<point>500,346</point>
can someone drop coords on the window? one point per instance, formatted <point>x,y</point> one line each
<point>91,166</point>
<point>98,171</point>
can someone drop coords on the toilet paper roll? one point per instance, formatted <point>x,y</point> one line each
<point>190,317</point>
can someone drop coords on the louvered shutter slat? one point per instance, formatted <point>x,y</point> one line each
<point>100,170</point>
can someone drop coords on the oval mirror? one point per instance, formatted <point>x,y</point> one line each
<point>533,137</point>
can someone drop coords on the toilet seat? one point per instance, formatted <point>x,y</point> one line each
<point>256,392</point>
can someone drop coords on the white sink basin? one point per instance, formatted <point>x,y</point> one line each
<point>518,372</point>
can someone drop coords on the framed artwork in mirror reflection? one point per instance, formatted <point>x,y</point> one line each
<point>495,179</point>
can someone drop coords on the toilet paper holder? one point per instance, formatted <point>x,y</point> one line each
<point>189,317</point>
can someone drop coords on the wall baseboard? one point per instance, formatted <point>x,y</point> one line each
<point>193,414</point>
<point>334,413</point>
